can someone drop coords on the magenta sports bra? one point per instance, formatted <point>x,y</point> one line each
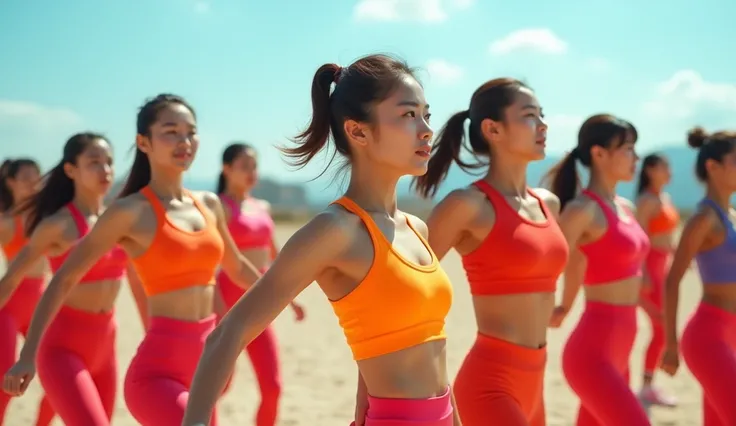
<point>252,229</point>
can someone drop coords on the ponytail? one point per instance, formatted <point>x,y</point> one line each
<point>220,184</point>
<point>564,178</point>
<point>57,191</point>
<point>139,176</point>
<point>6,197</point>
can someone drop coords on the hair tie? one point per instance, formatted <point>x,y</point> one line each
<point>338,74</point>
<point>575,153</point>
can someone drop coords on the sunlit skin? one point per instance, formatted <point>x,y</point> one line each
<point>465,217</point>
<point>650,203</point>
<point>335,250</point>
<point>702,232</point>
<point>584,222</point>
<point>130,222</point>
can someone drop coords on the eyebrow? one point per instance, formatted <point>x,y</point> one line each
<point>531,106</point>
<point>412,104</point>
<point>173,124</point>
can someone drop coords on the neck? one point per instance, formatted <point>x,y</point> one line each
<point>373,191</point>
<point>720,197</point>
<point>603,186</point>
<point>656,189</point>
<point>237,194</point>
<point>88,203</point>
<point>508,177</point>
<point>167,184</point>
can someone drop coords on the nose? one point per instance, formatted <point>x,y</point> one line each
<point>425,131</point>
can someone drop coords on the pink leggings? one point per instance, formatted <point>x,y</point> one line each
<point>708,346</point>
<point>159,376</point>
<point>595,362</point>
<point>15,317</point>
<point>658,264</point>
<point>264,356</point>
<point>435,411</point>
<point>77,366</point>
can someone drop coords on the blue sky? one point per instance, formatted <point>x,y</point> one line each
<point>247,65</point>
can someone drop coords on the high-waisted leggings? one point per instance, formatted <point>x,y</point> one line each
<point>708,347</point>
<point>263,352</point>
<point>595,362</point>
<point>15,318</point>
<point>503,382</point>
<point>435,411</point>
<point>657,264</point>
<point>77,366</point>
<point>160,374</point>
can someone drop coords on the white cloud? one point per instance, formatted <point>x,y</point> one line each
<point>686,94</point>
<point>428,11</point>
<point>18,112</point>
<point>540,40</point>
<point>562,131</point>
<point>444,72</point>
<point>24,125</point>
<point>202,7</point>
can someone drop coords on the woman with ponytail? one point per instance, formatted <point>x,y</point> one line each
<point>494,223</point>
<point>369,258</point>
<point>18,181</point>
<point>250,223</point>
<point>155,220</point>
<point>608,249</point>
<point>74,350</point>
<point>708,342</point>
<point>660,219</point>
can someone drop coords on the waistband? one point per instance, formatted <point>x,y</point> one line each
<point>714,311</point>
<point>85,319</point>
<point>507,353</point>
<point>172,326</point>
<point>426,410</point>
<point>610,309</point>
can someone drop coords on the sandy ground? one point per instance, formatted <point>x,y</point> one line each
<point>319,376</point>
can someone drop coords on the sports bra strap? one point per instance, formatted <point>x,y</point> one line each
<point>721,214</point>
<point>82,226</point>
<point>368,221</point>
<point>607,209</point>
<point>229,202</point>
<point>160,211</point>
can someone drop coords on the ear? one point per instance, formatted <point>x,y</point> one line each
<point>357,133</point>
<point>711,165</point>
<point>491,130</point>
<point>597,151</point>
<point>69,170</point>
<point>143,143</point>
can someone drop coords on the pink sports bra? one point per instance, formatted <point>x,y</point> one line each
<point>619,253</point>
<point>111,266</point>
<point>252,229</point>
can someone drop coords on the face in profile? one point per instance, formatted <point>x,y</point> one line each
<point>660,173</point>
<point>523,134</point>
<point>94,169</point>
<point>724,172</point>
<point>400,137</point>
<point>25,182</point>
<point>242,173</point>
<point>173,140</point>
<point>623,160</point>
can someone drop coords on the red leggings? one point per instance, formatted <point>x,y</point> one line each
<point>436,411</point>
<point>159,376</point>
<point>77,366</point>
<point>708,347</point>
<point>503,382</point>
<point>595,362</point>
<point>264,356</point>
<point>15,317</point>
<point>658,264</point>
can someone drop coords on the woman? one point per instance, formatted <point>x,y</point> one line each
<point>609,248</point>
<point>76,355</point>
<point>18,180</point>
<point>659,218</point>
<point>250,224</point>
<point>155,220</point>
<point>370,259</point>
<point>492,224</point>
<point>709,340</point>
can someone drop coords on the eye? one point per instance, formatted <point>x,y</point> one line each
<point>427,117</point>
<point>411,114</point>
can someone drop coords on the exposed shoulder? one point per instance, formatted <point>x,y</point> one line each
<point>417,224</point>
<point>209,198</point>
<point>626,203</point>
<point>464,201</point>
<point>551,200</point>
<point>131,205</point>
<point>333,227</point>
<point>646,200</point>
<point>580,207</point>
<point>265,205</point>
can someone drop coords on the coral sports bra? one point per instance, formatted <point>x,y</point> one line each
<point>620,252</point>
<point>250,230</point>
<point>179,259</point>
<point>19,239</point>
<point>518,255</point>
<point>666,219</point>
<point>111,266</point>
<point>399,304</point>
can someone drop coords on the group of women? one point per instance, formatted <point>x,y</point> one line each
<point>378,266</point>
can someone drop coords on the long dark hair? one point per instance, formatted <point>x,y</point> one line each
<point>649,161</point>
<point>489,101</point>
<point>358,88</point>
<point>710,147</point>
<point>228,156</point>
<point>140,172</point>
<point>9,170</point>
<point>57,189</point>
<point>604,130</point>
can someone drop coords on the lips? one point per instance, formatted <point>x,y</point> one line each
<point>424,152</point>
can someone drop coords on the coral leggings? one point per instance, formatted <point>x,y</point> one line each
<point>657,264</point>
<point>708,347</point>
<point>595,362</point>
<point>77,366</point>
<point>160,374</point>
<point>263,352</point>
<point>502,382</point>
<point>15,317</point>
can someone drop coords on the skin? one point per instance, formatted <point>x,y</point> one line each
<point>464,219</point>
<point>335,250</point>
<point>583,222</point>
<point>131,223</point>
<point>22,186</point>
<point>704,231</point>
<point>241,177</point>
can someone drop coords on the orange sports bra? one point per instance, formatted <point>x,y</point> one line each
<point>398,304</point>
<point>666,219</point>
<point>178,259</point>
<point>12,248</point>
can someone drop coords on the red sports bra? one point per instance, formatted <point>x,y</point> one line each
<point>620,252</point>
<point>110,266</point>
<point>518,255</point>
